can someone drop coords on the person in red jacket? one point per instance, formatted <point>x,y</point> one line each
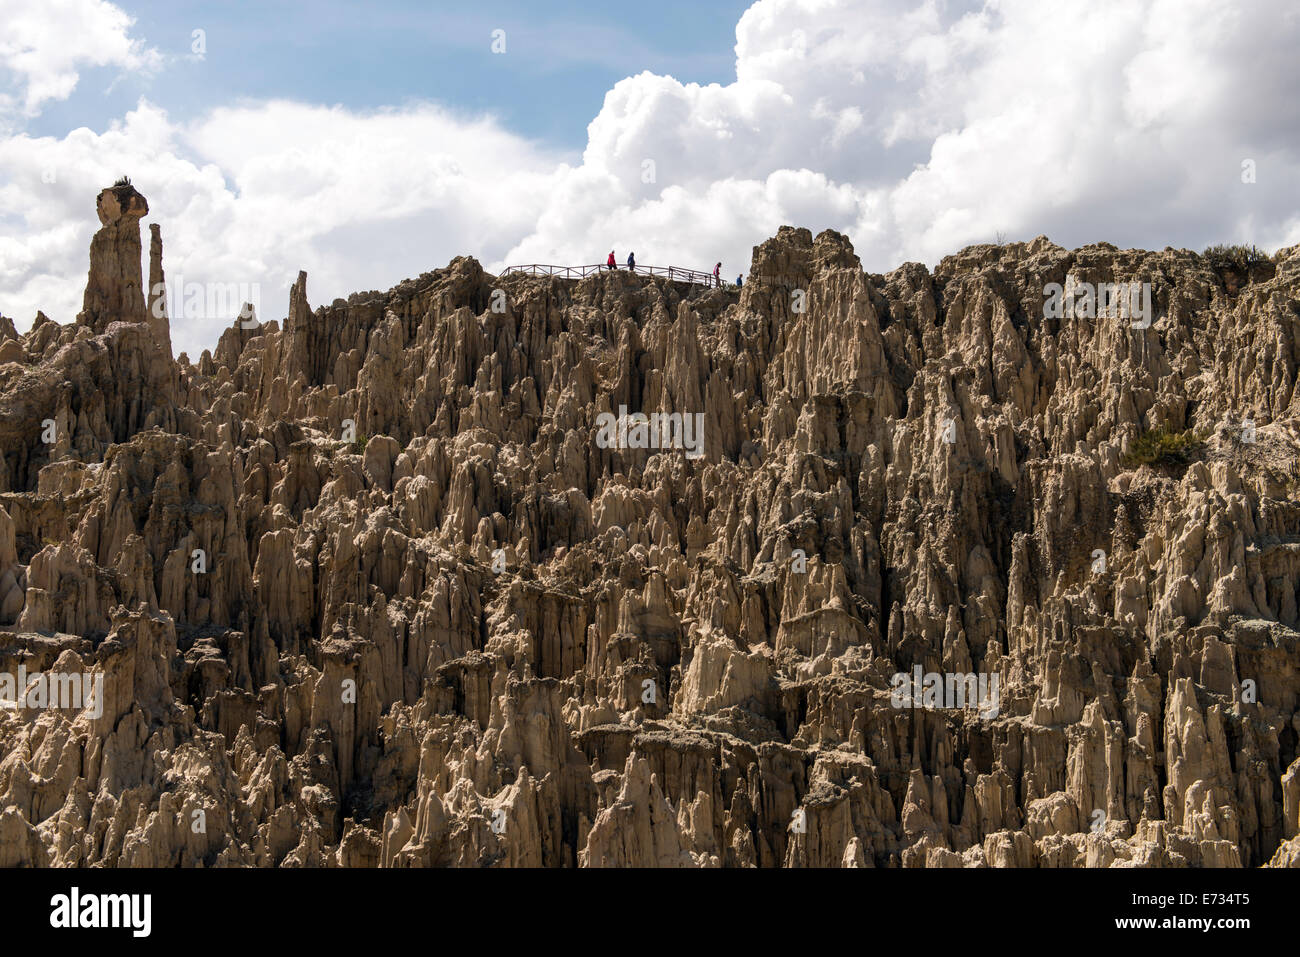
<point>611,262</point>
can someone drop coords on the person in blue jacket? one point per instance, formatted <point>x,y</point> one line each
<point>631,261</point>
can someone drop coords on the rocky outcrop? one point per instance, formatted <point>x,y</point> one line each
<point>70,392</point>
<point>888,576</point>
<point>114,290</point>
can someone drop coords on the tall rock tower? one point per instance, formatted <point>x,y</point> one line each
<point>157,317</point>
<point>115,287</point>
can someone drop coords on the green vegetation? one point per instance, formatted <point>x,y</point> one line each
<point>1163,446</point>
<point>1240,258</point>
<point>124,181</point>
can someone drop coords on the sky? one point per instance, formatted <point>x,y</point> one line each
<point>370,143</point>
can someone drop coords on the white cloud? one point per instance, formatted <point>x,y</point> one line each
<point>45,43</point>
<point>937,125</point>
<point>915,128</point>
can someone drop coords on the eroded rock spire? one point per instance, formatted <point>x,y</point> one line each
<point>114,288</point>
<point>158,319</point>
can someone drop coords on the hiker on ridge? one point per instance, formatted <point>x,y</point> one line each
<point>740,280</point>
<point>631,262</point>
<point>717,275</point>
<point>610,261</point>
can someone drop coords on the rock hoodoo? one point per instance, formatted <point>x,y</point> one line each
<point>114,290</point>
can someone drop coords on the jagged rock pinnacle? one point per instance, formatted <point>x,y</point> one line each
<point>114,288</point>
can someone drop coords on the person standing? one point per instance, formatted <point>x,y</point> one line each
<point>611,262</point>
<point>631,262</point>
<point>717,275</point>
<point>740,280</point>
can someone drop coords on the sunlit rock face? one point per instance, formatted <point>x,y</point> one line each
<point>917,569</point>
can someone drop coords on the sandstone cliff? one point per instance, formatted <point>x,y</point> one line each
<point>364,590</point>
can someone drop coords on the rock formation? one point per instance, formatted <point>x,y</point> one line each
<point>365,590</point>
<point>114,291</point>
<point>157,308</point>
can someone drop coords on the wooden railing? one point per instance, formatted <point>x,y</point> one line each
<point>671,273</point>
